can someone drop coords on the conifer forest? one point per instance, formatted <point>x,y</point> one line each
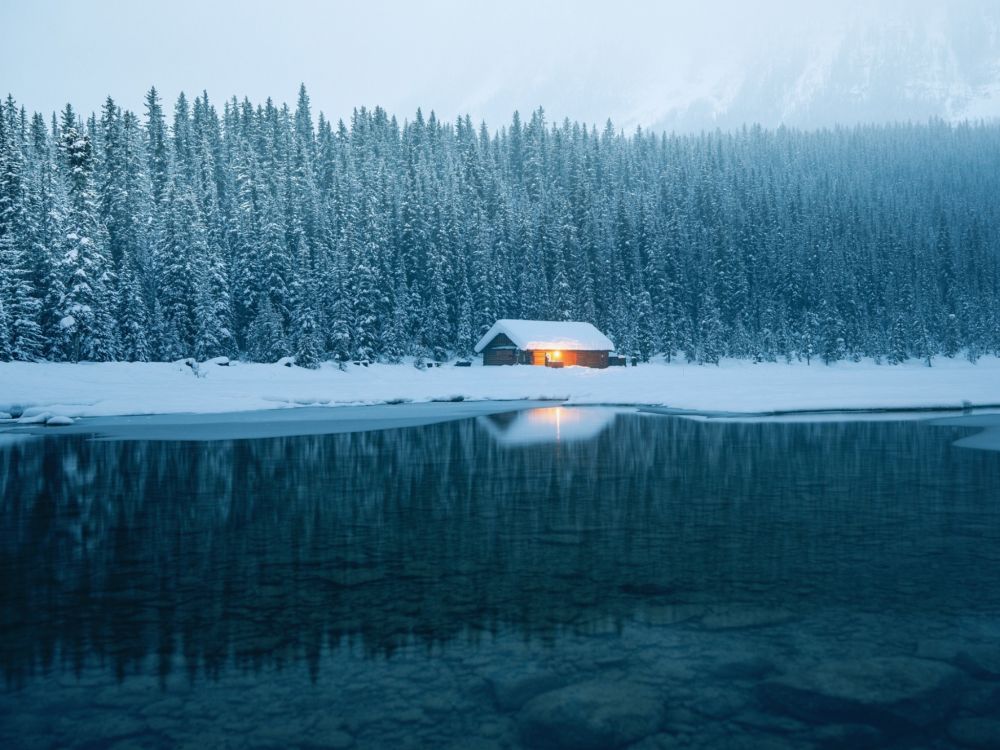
<point>262,231</point>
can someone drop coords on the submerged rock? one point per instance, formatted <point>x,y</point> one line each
<point>848,737</point>
<point>770,723</point>
<point>338,741</point>
<point>974,732</point>
<point>981,699</point>
<point>591,715</point>
<point>877,691</point>
<point>355,577</point>
<point>749,668</point>
<point>980,661</point>
<point>720,702</point>
<point>512,688</point>
<point>646,589</point>
<point>733,618</point>
<point>669,614</point>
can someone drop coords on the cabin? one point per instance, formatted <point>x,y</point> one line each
<point>544,342</point>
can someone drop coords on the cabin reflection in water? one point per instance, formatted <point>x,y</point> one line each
<point>555,424</point>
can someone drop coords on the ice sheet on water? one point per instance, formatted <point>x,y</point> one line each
<point>268,423</point>
<point>988,439</point>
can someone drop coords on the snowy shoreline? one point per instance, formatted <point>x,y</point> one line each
<point>36,391</point>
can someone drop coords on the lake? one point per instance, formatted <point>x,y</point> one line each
<point>552,578</point>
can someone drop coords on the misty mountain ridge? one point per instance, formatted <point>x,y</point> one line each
<point>931,68</point>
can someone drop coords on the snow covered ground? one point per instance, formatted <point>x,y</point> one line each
<point>39,391</point>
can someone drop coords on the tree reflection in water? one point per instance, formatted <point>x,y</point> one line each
<point>211,555</point>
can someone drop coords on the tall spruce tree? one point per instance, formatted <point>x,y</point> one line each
<point>85,321</point>
<point>21,337</point>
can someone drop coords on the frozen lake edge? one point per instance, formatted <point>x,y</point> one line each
<point>330,420</point>
<point>36,392</point>
<point>270,423</point>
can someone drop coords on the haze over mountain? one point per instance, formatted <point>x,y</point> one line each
<point>938,64</point>
<point>662,65</point>
<point>889,62</point>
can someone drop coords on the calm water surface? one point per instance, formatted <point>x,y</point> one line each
<point>567,578</point>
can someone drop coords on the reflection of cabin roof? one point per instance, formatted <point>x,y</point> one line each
<point>551,424</point>
<point>550,335</point>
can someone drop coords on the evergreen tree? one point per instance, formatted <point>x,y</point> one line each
<point>645,336</point>
<point>396,344</point>
<point>86,329</point>
<point>266,340</point>
<point>898,349</point>
<point>18,292</point>
<point>305,331</point>
<point>132,317</point>
<point>158,155</point>
<point>181,245</point>
<point>464,340</point>
<point>6,350</point>
<point>307,346</point>
<point>710,342</point>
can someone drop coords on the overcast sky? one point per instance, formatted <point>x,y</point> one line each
<point>583,59</point>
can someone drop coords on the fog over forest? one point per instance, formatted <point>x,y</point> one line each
<point>664,66</point>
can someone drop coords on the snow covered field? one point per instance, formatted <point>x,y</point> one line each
<point>39,391</point>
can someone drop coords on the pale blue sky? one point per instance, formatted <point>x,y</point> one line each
<point>627,59</point>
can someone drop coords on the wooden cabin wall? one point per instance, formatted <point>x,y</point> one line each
<point>499,356</point>
<point>592,359</point>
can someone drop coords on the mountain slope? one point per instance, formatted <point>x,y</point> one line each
<point>935,66</point>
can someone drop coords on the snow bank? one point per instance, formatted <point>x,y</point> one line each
<point>107,389</point>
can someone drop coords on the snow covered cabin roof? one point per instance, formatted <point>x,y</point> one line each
<point>549,335</point>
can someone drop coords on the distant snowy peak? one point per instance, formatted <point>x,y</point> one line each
<point>866,73</point>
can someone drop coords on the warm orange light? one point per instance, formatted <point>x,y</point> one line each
<point>556,355</point>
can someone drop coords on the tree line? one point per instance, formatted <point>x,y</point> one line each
<point>263,232</point>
